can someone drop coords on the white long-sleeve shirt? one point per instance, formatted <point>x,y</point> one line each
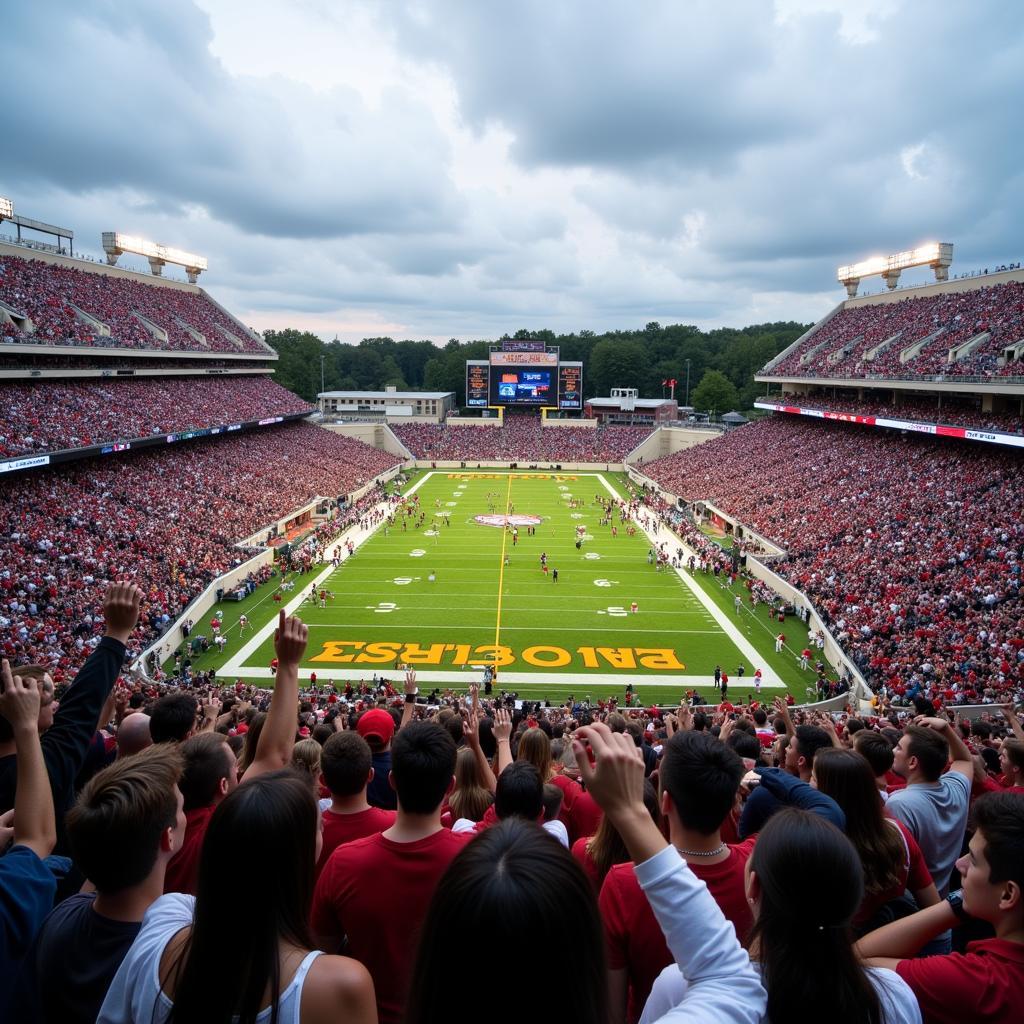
<point>721,985</point>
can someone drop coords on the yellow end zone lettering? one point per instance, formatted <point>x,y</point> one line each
<point>539,655</point>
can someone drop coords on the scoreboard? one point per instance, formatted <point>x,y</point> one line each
<point>570,385</point>
<point>526,374</point>
<point>477,378</point>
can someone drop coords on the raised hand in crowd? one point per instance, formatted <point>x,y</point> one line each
<point>122,604</point>
<point>274,749</point>
<point>34,823</point>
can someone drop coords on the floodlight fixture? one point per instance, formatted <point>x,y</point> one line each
<point>937,255</point>
<point>115,244</point>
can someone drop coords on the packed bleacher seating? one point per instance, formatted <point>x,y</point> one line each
<point>840,347</point>
<point>520,438</point>
<point>50,415</point>
<point>48,294</point>
<point>922,410</point>
<point>911,551</point>
<point>170,517</point>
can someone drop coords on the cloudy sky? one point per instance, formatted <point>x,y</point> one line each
<point>461,169</point>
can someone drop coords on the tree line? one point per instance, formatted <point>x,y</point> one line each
<point>722,362</point>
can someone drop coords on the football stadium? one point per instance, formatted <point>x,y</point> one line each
<point>336,661</point>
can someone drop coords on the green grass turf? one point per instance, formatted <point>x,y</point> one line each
<point>576,628</point>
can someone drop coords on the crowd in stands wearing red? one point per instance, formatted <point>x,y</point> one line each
<point>840,347</point>
<point>920,409</point>
<point>53,415</point>
<point>48,295</point>
<point>910,550</point>
<point>169,517</point>
<point>520,438</point>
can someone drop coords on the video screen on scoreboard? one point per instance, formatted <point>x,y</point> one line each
<point>511,385</point>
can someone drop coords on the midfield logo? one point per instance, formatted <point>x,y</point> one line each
<point>501,521</point>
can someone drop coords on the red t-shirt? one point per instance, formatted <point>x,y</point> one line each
<point>579,852</point>
<point>983,985</point>
<point>344,828</point>
<point>914,875</point>
<point>633,936</point>
<point>183,868</point>
<point>585,815</point>
<point>377,892</point>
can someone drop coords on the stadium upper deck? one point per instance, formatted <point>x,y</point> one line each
<point>50,300</point>
<point>962,331</point>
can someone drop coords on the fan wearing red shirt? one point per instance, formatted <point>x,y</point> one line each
<point>346,769</point>
<point>983,985</point>
<point>376,891</point>
<point>699,777</point>
<point>210,773</point>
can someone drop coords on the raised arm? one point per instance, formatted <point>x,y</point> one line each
<point>34,822</point>
<point>503,735</point>
<point>66,742</point>
<point>958,752</point>
<point>274,749</point>
<point>411,690</point>
<point>1013,721</point>
<point>722,986</point>
<point>471,733</point>
<point>782,708</point>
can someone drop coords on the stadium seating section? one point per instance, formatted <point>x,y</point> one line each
<point>842,348</point>
<point>168,519</point>
<point>48,294</point>
<point>520,439</point>
<point>911,550</point>
<point>922,410</point>
<point>53,415</point>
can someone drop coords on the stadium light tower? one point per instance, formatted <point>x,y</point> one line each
<point>687,383</point>
<point>115,244</point>
<point>6,208</point>
<point>937,255</point>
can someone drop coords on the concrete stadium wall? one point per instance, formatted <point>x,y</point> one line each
<point>376,435</point>
<point>197,609</point>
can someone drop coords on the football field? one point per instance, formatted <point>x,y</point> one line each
<point>458,583</point>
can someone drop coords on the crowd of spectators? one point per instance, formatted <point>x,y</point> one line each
<point>49,415</point>
<point>170,517</point>
<point>725,865</point>
<point>521,438</point>
<point>49,293</point>
<point>840,347</point>
<point>923,410</point>
<point>911,551</point>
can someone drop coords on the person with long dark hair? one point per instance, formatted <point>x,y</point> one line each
<point>804,882</point>
<point>891,860</point>
<point>220,957</point>
<point>224,958</point>
<point>519,894</point>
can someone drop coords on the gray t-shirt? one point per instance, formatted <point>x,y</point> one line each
<point>936,814</point>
